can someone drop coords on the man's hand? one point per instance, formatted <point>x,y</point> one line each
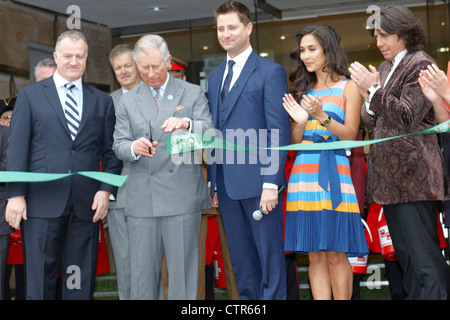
<point>214,200</point>
<point>364,78</point>
<point>436,81</point>
<point>100,205</point>
<point>269,200</point>
<point>16,210</point>
<point>173,123</point>
<point>142,146</point>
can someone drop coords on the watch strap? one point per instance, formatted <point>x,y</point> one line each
<point>372,89</point>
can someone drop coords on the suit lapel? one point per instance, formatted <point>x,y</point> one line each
<point>214,89</point>
<point>383,75</point>
<point>87,106</point>
<point>396,72</point>
<point>145,103</point>
<point>52,96</point>
<point>239,85</point>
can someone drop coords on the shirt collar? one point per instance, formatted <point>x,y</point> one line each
<point>241,58</point>
<point>163,87</point>
<point>60,81</point>
<point>399,57</point>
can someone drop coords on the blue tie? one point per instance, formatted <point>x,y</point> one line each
<point>71,111</point>
<point>226,84</point>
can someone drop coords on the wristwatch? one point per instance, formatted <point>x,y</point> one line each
<point>326,122</point>
<point>372,89</point>
<point>188,121</point>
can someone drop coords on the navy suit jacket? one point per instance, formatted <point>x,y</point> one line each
<point>254,106</point>
<point>39,141</point>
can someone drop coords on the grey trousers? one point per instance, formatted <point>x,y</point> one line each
<point>177,237</point>
<point>118,232</point>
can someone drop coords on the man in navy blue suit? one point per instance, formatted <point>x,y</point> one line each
<point>245,98</point>
<point>61,125</point>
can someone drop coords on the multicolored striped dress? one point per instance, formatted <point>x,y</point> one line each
<point>322,211</point>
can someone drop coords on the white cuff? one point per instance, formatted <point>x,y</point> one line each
<point>367,106</point>
<point>267,185</point>
<point>133,156</point>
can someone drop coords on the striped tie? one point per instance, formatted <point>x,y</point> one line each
<point>71,111</point>
<point>157,98</point>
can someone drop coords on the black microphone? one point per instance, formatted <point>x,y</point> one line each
<point>258,214</point>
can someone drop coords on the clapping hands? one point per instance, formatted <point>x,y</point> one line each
<point>309,106</point>
<point>434,83</point>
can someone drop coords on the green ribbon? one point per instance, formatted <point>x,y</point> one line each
<point>18,176</point>
<point>185,143</point>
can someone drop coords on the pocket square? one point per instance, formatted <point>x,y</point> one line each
<point>180,108</point>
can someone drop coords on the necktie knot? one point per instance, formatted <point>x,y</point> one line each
<point>69,86</point>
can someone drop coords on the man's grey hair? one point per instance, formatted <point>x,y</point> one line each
<point>118,50</point>
<point>74,35</point>
<point>151,41</point>
<point>45,63</point>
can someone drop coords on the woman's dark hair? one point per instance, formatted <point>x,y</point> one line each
<point>335,59</point>
<point>400,21</point>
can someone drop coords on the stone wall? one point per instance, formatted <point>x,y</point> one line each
<point>20,24</point>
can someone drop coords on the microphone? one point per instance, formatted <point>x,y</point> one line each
<point>258,214</point>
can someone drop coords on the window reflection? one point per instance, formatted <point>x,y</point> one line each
<point>276,39</point>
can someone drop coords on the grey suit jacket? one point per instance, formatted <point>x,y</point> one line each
<point>121,192</point>
<point>161,186</point>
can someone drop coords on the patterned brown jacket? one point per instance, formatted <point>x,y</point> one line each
<point>411,168</point>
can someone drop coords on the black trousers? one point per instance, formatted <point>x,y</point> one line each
<point>413,229</point>
<point>4,247</point>
<point>66,244</point>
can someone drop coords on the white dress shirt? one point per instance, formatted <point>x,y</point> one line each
<point>240,61</point>
<point>60,83</point>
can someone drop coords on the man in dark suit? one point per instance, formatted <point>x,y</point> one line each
<point>5,230</point>
<point>254,87</point>
<point>60,218</point>
<point>405,175</point>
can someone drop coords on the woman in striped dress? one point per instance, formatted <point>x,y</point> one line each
<point>322,213</point>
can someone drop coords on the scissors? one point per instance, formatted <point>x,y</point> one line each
<point>150,134</point>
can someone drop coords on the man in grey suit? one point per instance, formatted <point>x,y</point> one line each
<point>127,74</point>
<point>164,198</point>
